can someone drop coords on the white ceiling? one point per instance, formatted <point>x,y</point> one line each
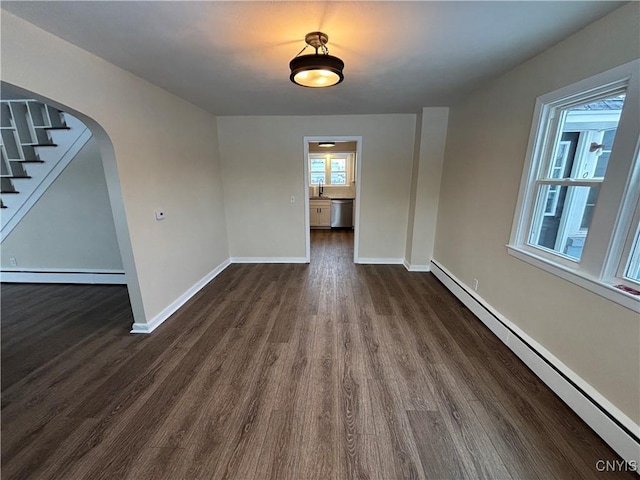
<point>232,58</point>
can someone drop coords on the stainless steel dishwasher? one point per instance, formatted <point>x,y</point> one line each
<point>342,213</point>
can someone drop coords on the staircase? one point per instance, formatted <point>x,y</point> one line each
<point>37,143</point>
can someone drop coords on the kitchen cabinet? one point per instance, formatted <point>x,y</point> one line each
<point>320,213</point>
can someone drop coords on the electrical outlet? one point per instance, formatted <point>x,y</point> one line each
<point>159,214</point>
<point>475,284</point>
<point>292,199</point>
<point>13,262</point>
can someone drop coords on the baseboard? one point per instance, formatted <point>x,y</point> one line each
<point>615,428</point>
<point>57,275</point>
<point>177,303</point>
<point>268,260</point>
<point>416,268</point>
<point>380,261</point>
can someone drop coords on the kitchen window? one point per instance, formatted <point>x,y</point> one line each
<point>577,214</point>
<point>331,169</point>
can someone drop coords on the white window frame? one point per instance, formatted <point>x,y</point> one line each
<point>608,248</point>
<point>628,251</point>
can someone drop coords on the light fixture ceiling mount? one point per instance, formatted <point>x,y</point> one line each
<point>316,39</point>
<point>317,70</point>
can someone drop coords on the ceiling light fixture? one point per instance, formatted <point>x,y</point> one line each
<point>318,70</point>
<point>326,144</point>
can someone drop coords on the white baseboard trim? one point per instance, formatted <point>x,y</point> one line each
<point>268,260</point>
<point>380,261</point>
<point>615,428</point>
<point>416,268</point>
<point>177,303</point>
<point>62,275</point>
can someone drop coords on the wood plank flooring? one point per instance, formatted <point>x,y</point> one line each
<point>323,371</point>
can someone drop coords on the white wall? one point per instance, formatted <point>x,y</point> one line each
<point>431,136</point>
<point>71,225</point>
<point>414,188</point>
<point>159,151</point>
<point>485,151</point>
<point>263,160</point>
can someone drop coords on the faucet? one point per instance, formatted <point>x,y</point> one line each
<point>320,187</point>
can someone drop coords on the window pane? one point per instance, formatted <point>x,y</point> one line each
<point>317,165</point>
<point>338,178</point>
<point>563,231</point>
<point>601,165</point>
<point>604,153</point>
<point>559,164</point>
<point>587,133</point>
<point>316,178</point>
<point>588,208</point>
<point>633,269</point>
<point>338,165</point>
<point>552,200</point>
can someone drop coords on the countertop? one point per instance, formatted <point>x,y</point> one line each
<point>326,197</point>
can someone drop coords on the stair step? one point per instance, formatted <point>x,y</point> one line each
<point>42,121</point>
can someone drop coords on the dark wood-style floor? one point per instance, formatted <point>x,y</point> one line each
<point>322,371</point>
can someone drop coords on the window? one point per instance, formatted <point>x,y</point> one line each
<point>568,190</point>
<point>317,170</point>
<point>633,268</point>
<point>338,171</point>
<point>330,169</point>
<point>577,214</point>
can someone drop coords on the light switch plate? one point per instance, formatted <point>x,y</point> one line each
<point>159,214</point>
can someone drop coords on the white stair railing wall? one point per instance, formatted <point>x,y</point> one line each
<point>37,142</point>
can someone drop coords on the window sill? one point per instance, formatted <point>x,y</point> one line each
<point>606,290</point>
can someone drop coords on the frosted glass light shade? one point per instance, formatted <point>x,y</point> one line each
<point>316,71</point>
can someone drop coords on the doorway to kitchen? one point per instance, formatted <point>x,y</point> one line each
<point>332,179</point>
